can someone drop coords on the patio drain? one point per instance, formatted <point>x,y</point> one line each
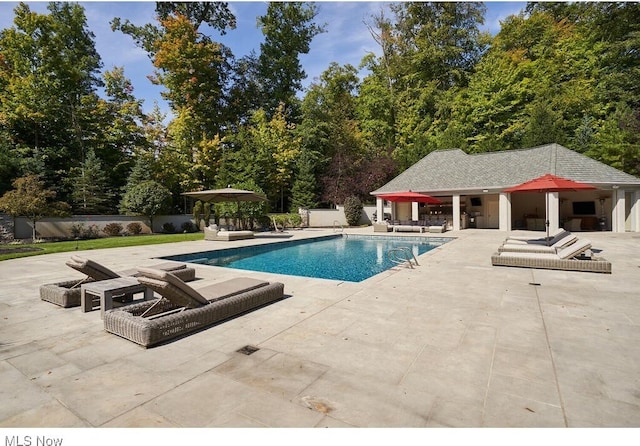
<point>248,350</point>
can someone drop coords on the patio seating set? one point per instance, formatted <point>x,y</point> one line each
<point>437,226</point>
<point>180,309</point>
<point>562,250</point>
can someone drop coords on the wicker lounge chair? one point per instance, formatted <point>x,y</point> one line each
<point>540,248</point>
<point>574,257</point>
<point>183,310</point>
<point>67,293</point>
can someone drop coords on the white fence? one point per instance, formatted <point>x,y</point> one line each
<point>325,218</point>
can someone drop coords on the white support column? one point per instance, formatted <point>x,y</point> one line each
<point>456,212</point>
<point>505,211</point>
<point>635,212</point>
<point>379,210</point>
<point>553,207</point>
<point>414,210</point>
<point>618,210</point>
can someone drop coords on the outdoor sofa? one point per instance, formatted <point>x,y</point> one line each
<point>67,293</point>
<point>224,235</point>
<point>575,257</point>
<point>182,309</point>
<point>382,227</point>
<point>419,225</point>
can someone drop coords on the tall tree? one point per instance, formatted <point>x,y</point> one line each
<point>9,164</point>
<point>49,77</point>
<point>195,70</point>
<point>538,73</point>
<point>264,151</point>
<point>331,130</point>
<point>121,134</point>
<point>90,190</point>
<point>439,41</point>
<point>215,14</point>
<point>288,28</point>
<point>617,140</point>
<point>428,48</point>
<point>304,191</point>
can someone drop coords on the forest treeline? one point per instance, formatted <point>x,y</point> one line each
<point>557,72</point>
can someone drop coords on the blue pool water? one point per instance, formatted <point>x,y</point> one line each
<point>350,258</point>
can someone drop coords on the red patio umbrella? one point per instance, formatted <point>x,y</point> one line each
<point>409,197</point>
<point>549,183</point>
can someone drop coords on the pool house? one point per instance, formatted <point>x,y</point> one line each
<point>472,190</point>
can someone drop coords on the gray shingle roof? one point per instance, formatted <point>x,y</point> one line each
<point>454,170</point>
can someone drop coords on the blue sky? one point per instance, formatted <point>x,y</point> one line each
<point>346,39</point>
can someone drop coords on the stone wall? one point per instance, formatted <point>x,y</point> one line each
<point>61,227</point>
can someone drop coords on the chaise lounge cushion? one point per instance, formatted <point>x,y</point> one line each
<point>182,294</point>
<point>539,248</point>
<point>191,298</point>
<point>91,268</point>
<point>553,238</point>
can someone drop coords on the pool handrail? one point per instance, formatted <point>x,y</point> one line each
<point>408,259</point>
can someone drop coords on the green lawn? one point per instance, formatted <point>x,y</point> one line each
<point>101,243</point>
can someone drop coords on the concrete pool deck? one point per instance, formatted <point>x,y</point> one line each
<point>454,342</point>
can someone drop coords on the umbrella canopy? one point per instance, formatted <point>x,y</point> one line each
<point>549,183</point>
<point>226,194</point>
<point>409,197</point>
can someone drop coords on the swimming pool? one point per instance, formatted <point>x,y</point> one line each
<point>351,258</point>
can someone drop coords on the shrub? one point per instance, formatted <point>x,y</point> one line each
<point>292,220</point>
<point>92,231</point>
<point>168,228</point>
<point>295,220</point>
<point>353,210</point>
<point>77,230</point>
<point>188,226</point>
<point>112,229</point>
<point>148,198</point>
<point>134,228</point>
<point>280,221</point>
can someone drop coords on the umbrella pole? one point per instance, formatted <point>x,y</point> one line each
<point>546,197</point>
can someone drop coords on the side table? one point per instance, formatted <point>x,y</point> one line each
<point>105,290</point>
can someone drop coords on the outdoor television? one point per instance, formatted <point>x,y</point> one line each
<point>476,201</point>
<point>584,208</point>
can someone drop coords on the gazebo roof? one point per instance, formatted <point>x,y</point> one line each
<point>448,171</point>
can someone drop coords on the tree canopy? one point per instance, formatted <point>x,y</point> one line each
<point>555,72</point>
